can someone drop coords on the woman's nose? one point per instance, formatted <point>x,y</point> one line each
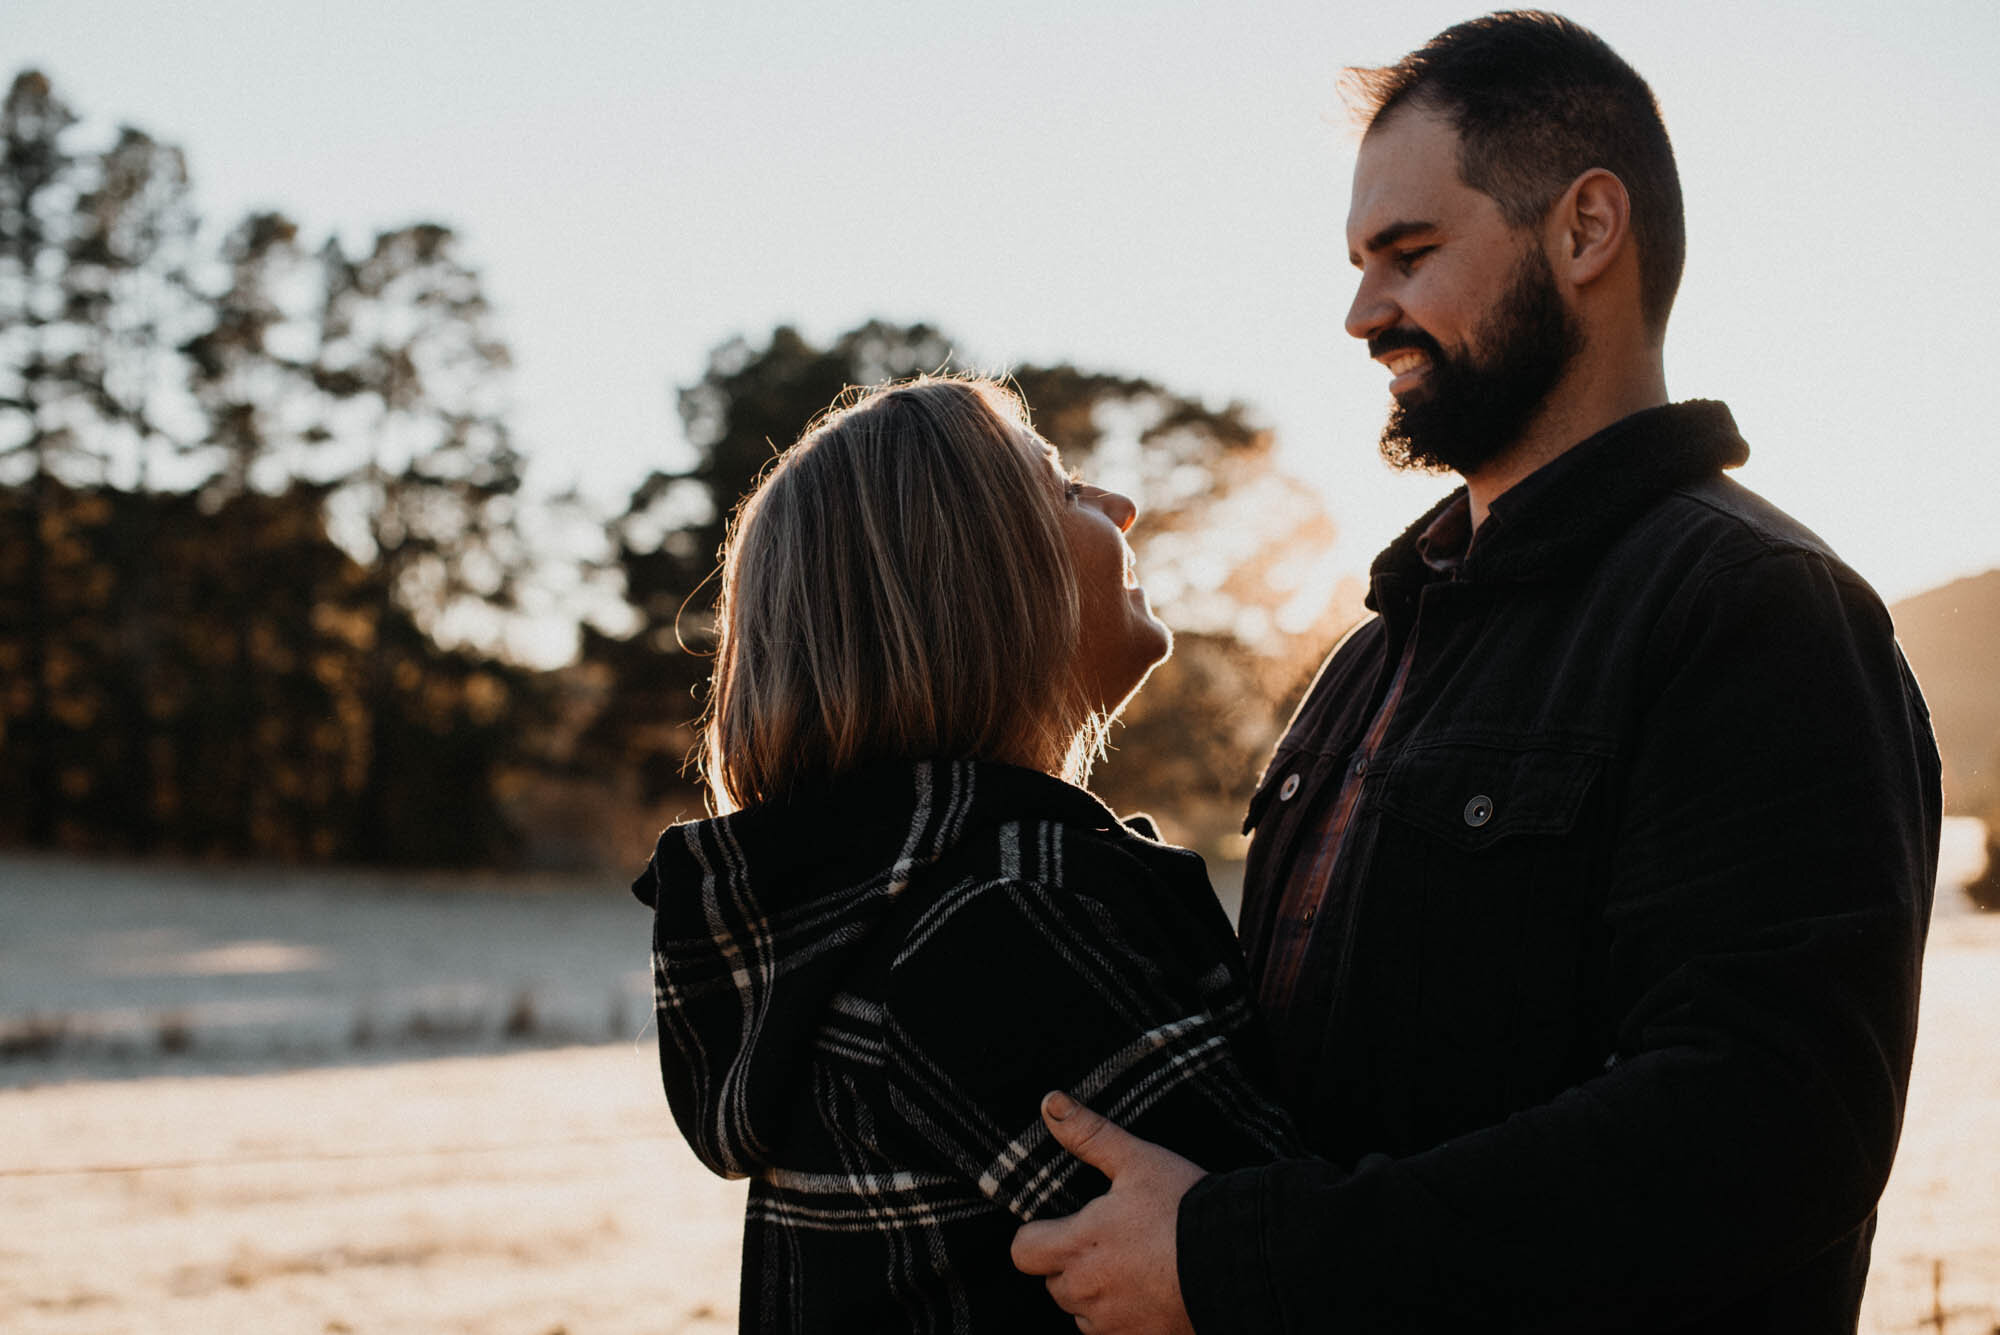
<point>1120,508</point>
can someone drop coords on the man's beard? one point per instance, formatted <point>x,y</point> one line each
<point>1469,411</point>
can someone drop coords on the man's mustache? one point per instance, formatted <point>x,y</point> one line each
<point>1392,339</point>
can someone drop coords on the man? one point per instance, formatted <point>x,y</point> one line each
<point>1590,881</point>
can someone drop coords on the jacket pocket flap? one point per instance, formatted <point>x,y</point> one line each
<point>1475,795</point>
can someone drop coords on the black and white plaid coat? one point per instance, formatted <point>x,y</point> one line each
<point>863,993</point>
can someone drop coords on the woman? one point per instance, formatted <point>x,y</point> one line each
<point>912,923</point>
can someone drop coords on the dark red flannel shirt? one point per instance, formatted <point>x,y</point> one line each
<point>1443,545</point>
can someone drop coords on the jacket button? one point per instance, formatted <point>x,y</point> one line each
<point>1478,811</point>
<point>1360,766</point>
<point>1289,788</point>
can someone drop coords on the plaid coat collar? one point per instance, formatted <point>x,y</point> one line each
<point>864,819</point>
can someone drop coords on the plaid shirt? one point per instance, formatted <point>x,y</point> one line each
<point>863,993</point>
<point>1442,545</point>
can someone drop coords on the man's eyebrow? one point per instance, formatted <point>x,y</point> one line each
<point>1390,235</point>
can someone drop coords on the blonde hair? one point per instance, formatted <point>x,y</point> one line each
<point>898,587</point>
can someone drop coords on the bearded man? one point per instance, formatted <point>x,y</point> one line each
<point>1590,882</point>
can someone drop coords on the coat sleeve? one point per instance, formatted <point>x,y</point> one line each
<point>1009,988</point>
<point>1765,1010</point>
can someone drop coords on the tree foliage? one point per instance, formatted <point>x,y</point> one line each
<point>241,493</point>
<point>262,519</point>
<point>250,727</point>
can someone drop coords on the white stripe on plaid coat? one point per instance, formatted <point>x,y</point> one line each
<point>863,993</point>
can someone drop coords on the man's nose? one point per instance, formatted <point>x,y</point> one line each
<point>1372,311</point>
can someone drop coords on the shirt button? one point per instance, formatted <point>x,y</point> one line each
<point>1360,765</point>
<point>1289,788</point>
<point>1478,811</point>
<point>1307,917</point>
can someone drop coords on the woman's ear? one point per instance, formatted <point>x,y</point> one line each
<point>1593,226</point>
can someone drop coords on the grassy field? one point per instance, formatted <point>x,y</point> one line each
<point>178,1177</point>
<point>516,1194</point>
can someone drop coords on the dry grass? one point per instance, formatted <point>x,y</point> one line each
<point>510,1195</point>
<point>547,1193</point>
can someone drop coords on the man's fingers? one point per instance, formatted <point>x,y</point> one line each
<point>1040,1247</point>
<point>1112,1263</point>
<point>1090,1136</point>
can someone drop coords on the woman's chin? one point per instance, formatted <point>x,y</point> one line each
<point>1151,647</point>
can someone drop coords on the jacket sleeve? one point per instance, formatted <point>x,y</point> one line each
<point>1009,988</point>
<point>1764,1010</point>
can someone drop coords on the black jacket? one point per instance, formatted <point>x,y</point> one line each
<point>865,990</point>
<point>1606,1021</point>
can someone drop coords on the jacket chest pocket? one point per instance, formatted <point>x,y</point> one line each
<point>1484,875</point>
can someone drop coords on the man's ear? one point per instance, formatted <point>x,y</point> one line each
<point>1592,224</point>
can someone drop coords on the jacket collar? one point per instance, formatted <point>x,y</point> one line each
<point>1572,507</point>
<point>865,817</point>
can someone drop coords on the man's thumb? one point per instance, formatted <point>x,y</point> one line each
<point>1091,1137</point>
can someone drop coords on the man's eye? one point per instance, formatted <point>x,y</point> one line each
<point>1406,260</point>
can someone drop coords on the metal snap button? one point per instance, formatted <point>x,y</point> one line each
<point>1360,765</point>
<point>1478,811</point>
<point>1289,788</point>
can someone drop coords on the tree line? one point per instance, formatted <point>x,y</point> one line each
<point>262,518</point>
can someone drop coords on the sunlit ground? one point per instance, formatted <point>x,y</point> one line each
<point>526,1193</point>
<point>530,1191</point>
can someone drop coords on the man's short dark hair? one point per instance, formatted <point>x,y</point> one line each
<point>1538,100</point>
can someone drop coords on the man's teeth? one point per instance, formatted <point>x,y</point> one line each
<point>1403,363</point>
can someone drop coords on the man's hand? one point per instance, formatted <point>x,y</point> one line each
<point>1112,1265</point>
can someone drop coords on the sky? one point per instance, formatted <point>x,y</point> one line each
<point>1156,189</point>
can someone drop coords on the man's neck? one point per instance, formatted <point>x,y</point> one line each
<point>1577,409</point>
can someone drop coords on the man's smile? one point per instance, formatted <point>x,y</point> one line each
<point>1407,367</point>
<point>1408,354</point>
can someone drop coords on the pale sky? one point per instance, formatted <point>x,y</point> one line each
<point>1152,188</point>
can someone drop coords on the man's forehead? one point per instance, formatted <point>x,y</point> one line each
<point>1406,172</point>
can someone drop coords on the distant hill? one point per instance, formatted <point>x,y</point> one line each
<point>1952,638</point>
